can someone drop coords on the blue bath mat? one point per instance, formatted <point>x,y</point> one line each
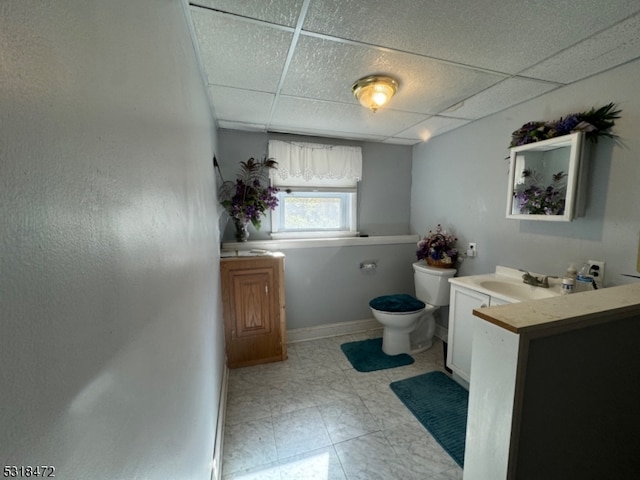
<point>367,356</point>
<point>440,404</point>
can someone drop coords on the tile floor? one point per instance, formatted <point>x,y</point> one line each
<point>315,417</point>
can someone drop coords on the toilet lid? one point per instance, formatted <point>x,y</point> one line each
<point>397,303</point>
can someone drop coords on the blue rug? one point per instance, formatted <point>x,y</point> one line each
<point>440,404</point>
<point>367,356</point>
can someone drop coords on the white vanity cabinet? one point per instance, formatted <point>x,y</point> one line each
<point>461,327</point>
<point>551,396</point>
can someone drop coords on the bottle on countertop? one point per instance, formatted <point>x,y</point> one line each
<point>571,272</point>
<point>584,280</point>
<point>567,285</point>
<point>569,280</point>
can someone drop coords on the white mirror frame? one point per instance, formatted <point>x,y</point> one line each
<point>575,200</point>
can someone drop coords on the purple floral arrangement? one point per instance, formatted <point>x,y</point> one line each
<point>251,201</point>
<point>438,245</point>
<point>594,123</point>
<point>535,199</point>
<point>246,199</point>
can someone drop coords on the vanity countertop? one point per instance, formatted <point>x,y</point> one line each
<point>518,293</point>
<point>565,312</point>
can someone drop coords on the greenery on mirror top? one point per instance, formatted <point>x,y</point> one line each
<point>535,199</point>
<point>246,199</point>
<point>595,123</point>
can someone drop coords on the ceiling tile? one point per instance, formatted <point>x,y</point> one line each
<point>499,97</point>
<point>493,34</point>
<point>281,12</point>
<point>605,50</point>
<point>234,104</point>
<point>426,86</point>
<point>432,127</point>
<point>455,61</point>
<point>236,53</point>
<point>347,118</point>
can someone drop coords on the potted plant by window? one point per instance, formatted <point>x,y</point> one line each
<point>438,249</point>
<point>247,199</point>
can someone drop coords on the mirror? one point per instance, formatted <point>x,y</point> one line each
<point>547,179</point>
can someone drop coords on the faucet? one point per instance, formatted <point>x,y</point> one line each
<point>542,281</point>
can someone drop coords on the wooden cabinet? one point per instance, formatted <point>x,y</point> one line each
<point>253,301</point>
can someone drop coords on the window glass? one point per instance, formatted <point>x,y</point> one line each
<point>320,212</point>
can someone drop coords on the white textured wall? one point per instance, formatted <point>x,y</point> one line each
<point>460,180</point>
<point>111,349</point>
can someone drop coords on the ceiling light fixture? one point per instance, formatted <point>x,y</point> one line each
<point>374,91</point>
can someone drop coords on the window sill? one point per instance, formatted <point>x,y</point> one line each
<point>283,244</point>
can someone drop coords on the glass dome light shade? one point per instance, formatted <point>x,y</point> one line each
<point>374,91</point>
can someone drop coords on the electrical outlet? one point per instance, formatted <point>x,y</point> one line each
<point>596,268</point>
<point>471,251</point>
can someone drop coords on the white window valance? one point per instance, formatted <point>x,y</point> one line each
<point>315,164</point>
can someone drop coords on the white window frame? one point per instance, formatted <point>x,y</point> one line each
<point>349,214</point>
<point>308,168</point>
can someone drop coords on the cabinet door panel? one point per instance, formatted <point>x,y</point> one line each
<point>253,308</point>
<point>253,303</point>
<point>461,327</point>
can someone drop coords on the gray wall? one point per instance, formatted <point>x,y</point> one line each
<point>326,285</point>
<point>460,180</point>
<point>384,192</point>
<point>111,348</point>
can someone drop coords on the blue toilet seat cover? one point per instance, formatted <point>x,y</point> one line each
<point>398,303</point>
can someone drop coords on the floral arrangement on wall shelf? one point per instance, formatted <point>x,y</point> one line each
<point>595,123</point>
<point>534,199</point>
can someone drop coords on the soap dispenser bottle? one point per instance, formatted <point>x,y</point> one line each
<point>569,280</point>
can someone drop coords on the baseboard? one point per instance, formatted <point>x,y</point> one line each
<point>345,328</point>
<point>441,332</point>
<point>331,330</point>
<point>216,464</point>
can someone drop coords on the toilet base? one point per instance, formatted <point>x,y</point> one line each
<point>395,342</point>
<point>413,339</point>
<point>421,347</point>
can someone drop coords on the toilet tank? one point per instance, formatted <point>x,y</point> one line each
<point>432,284</point>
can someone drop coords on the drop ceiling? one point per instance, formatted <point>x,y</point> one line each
<point>288,65</point>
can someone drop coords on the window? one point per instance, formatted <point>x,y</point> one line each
<point>314,213</point>
<point>318,196</point>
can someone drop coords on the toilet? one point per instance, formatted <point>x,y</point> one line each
<point>408,321</point>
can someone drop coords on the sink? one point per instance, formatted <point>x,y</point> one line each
<point>519,291</point>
